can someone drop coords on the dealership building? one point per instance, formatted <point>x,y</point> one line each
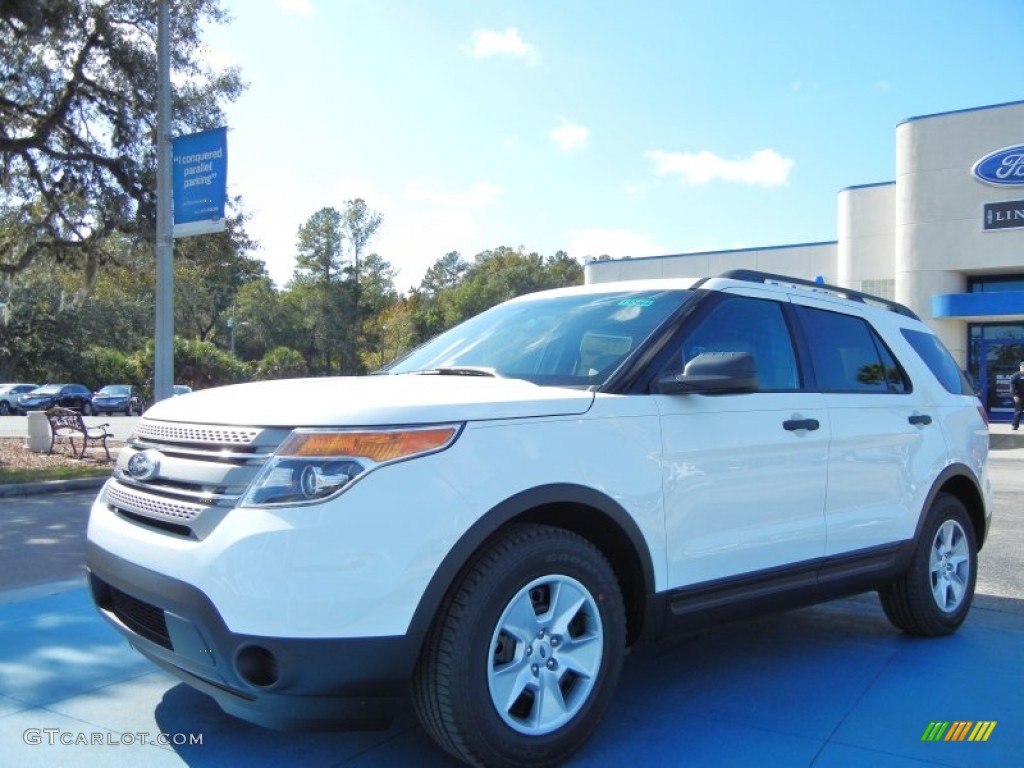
<point>946,238</point>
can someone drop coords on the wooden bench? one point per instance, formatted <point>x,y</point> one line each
<point>68,425</point>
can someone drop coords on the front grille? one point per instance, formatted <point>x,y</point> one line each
<point>195,433</point>
<point>202,471</point>
<point>139,616</point>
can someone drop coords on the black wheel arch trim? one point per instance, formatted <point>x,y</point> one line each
<point>959,474</point>
<point>519,507</point>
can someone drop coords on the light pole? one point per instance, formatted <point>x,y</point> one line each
<point>231,327</point>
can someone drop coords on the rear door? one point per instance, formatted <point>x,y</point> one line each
<point>887,440</point>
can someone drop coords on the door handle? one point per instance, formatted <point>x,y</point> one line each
<point>792,425</point>
<point>920,418</point>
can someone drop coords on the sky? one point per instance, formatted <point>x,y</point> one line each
<point>588,126</point>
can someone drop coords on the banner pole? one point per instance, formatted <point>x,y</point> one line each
<point>163,352</point>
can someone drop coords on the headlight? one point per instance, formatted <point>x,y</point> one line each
<point>313,465</point>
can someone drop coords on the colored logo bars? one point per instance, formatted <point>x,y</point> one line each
<point>960,730</point>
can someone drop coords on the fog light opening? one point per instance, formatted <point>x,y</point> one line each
<point>257,666</point>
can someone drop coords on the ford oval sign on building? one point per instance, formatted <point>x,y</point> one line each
<point>1003,168</point>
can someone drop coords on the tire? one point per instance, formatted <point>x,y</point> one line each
<point>482,678</point>
<point>934,596</point>
<point>5,408</point>
<point>128,410</point>
<point>87,409</point>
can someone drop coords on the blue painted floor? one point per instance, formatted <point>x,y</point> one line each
<point>831,686</point>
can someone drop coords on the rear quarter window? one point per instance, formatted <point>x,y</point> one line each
<point>939,361</point>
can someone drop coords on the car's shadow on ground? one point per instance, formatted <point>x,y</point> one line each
<point>795,681</point>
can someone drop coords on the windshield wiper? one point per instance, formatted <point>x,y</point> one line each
<point>457,370</point>
<point>466,370</point>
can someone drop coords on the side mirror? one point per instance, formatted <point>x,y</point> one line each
<point>712,373</point>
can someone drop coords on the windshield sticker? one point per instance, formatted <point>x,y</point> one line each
<point>636,303</point>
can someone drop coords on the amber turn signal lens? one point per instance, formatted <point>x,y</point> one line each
<point>376,446</point>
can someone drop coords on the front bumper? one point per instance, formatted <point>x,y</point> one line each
<point>286,683</point>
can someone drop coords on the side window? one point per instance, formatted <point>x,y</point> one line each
<point>938,360</point>
<point>847,354</point>
<point>740,324</point>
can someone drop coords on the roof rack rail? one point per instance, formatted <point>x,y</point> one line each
<point>754,276</point>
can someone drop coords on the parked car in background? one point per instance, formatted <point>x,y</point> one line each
<point>181,389</point>
<point>77,397</point>
<point>118,398</point>
<point>9,396</point>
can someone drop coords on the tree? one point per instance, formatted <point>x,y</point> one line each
<point>319,275</point>
<point>39,340</point>
<point>208,273</point>
<point>453,291</point>
<point>444,273</point>
<point>281,363</point>
<point>78,94</point>
<point>329,285</point>
<point>360,224</point>
<point>377,288</point>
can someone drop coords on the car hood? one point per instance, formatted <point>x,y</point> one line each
<point>371,401</point>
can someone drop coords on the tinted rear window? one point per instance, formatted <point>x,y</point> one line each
<point>939,361</point>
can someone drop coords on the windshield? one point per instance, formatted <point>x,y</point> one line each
<point>48,389</point>
<point>114,389</point>
<point>575,340</point>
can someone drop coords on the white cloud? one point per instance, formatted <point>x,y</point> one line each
<point>297,7</point>
<point>612,242</point>
<point>477,196</point>
<point>488,42</point>
<point>569,136</point>
<point>764,168</point>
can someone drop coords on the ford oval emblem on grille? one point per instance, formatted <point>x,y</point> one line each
<point>144,465</point>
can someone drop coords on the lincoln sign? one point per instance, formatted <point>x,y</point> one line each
<point>1006,215</point>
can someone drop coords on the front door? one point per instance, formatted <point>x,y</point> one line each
<point>744,474</point>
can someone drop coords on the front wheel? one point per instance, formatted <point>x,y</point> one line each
<point>525,653</point>
<point>5,408</point>
<point>934,596</point>
<point>87,409</point>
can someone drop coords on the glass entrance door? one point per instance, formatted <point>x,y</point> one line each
<point>996,362</point>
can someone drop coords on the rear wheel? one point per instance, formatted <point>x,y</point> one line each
<point>5,408</point>
<point>934,596</point>
<point>525,654</point>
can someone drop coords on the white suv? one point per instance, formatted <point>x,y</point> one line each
<point>490,523</point>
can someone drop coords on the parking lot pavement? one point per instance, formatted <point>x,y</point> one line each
<point>828,686</point>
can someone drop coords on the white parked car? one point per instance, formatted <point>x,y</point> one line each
<point>495,520</point>
<point>9,394</point>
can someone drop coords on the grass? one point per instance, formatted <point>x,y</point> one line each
<point>12,475</point>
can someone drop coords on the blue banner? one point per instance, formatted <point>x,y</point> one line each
<point>199,171</point>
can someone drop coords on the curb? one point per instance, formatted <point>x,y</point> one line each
<point>52,486</point>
